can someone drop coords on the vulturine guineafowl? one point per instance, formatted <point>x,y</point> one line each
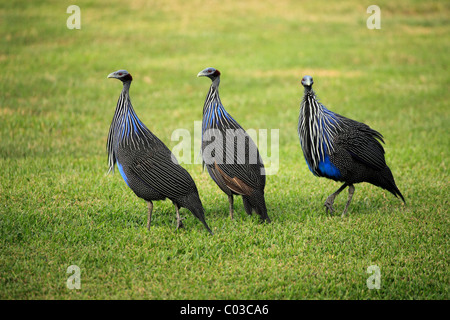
<point>230,155</point>
<point>341,149</point>
<point>148,167</point>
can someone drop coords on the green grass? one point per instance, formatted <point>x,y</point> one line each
<point>59,208</point>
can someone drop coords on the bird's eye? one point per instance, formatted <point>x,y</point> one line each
<point>120,73</point>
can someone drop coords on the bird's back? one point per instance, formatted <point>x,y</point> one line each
<point>362,142</point>
<point>228,151</point>
<point>153,173</point>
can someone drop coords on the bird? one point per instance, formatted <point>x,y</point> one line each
<point>341,149</point>
<point>148,167</point>
<point>230,155</point>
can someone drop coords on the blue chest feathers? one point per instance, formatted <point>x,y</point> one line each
<point>122,173</point>
<point>327,169</point>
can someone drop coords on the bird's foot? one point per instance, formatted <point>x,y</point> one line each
<point>351,190</point>
<point>266,219</point>
<point>329,205</point>
<point>180,223</point>
<point>344,213</point>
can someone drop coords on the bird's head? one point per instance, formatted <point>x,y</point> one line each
<point>122,75</point>
<point>210,73</point>
<point>307,81</point>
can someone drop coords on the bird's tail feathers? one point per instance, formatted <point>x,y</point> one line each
<point>194,204</point>
<point>257,203</point>
<point>247,205</point>
<point>396,192</point>
<point>388,183</point>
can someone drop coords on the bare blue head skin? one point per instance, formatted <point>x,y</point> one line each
<point>307,82</point>
<point>122,75</point>
<point>210,73</point>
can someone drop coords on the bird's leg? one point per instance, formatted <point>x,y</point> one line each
<point>149,216</point>
<point>330,200</point>
<point>179,219</point>
<point>351,190</point>
<point>231,201</point>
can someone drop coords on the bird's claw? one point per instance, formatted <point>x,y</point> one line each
<point>344,213</point>
<point>180,223</point>
<point>329,208</point>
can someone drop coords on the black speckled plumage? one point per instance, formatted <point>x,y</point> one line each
<point>230,155</point>
<point>146,164</point>
<point>341,149</point>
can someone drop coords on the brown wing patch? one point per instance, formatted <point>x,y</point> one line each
<point>235,184</point>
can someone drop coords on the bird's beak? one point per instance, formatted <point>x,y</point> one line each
<point>112,75</point>
<point>204,73</point>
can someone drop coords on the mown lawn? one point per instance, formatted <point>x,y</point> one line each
<point>58,207</point>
